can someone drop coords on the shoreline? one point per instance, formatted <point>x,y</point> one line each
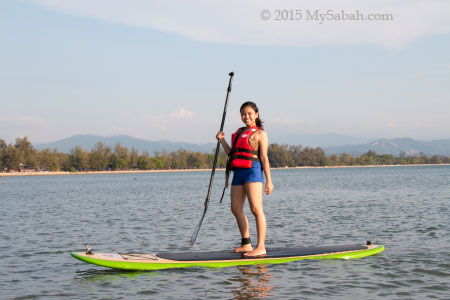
<point>47,173</point>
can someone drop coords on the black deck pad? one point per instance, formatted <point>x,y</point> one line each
<point>271,253</point>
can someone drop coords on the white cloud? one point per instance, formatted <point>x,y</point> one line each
<point>182,113</point>
<point>240,22</point>
<point>391,124</point>
<point>21,119</point>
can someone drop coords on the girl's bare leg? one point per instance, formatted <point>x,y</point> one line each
<point>254,195</point>
<point>237,208</point>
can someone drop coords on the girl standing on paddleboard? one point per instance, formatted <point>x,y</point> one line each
<point>248,159</point>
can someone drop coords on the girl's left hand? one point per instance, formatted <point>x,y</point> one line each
<point>268,188</point>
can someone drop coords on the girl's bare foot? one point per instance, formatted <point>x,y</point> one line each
<point>259,251</point>
<point>243,248</point>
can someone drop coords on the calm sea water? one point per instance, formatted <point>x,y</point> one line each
<point>406,209</point>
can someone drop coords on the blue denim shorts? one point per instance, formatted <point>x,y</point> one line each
<point>254,174</point>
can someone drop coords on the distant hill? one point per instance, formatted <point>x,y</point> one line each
<point>380,146</point>
<point>87,142</point>
<point>395,147</point>
<point>316,140</point>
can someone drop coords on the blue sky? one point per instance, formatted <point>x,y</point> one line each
<point>158,70</point>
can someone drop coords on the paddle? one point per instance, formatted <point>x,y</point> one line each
<point>197,229</point>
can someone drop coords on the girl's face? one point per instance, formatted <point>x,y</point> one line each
<point>249,116</point>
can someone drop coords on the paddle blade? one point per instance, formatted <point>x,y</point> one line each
<point>197,229</point>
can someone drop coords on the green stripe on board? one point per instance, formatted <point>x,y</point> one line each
<point>126,265</point>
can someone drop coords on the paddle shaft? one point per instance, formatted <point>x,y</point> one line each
<point>211,180</point>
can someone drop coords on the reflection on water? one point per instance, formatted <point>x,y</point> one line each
<point>254,283</point>
<point>249,282</point>
<point>94,275</point>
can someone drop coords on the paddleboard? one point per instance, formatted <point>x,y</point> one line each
<point>220,259</point>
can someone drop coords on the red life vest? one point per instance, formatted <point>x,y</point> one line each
<point>242,154</point>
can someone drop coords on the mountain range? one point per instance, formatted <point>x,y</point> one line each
<point>396,147</point>
<point>87,142</point>
<point>329,139</point>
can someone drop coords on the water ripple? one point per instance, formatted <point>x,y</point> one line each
<point>406,209</point>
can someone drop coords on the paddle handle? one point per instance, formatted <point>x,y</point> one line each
<point>211,180</point>
<point>218,142</point>
<point>226,100</point>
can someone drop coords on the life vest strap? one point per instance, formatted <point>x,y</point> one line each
<point>234,150</point>
<point>234,156</point>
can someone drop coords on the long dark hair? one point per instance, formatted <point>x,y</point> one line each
<point>259,123</point>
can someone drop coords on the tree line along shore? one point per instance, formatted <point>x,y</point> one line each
<point>22,156</point>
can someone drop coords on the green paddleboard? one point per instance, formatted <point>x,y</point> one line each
<point>220,259</point>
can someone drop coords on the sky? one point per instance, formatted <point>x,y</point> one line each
<point>159,69</point>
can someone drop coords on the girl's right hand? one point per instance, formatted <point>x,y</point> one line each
<point>220,136</point>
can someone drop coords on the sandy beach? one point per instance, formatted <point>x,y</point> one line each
<point>46,173</point>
